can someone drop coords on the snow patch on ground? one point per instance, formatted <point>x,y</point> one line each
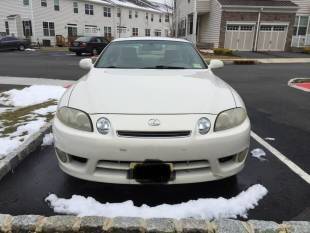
<point>207,208</point>
<point>30,50</point>
<point>31,95</point>
<point>270,139</point>
<point>48,140</point>
<point>259,154</point>
<point>47,110</point>
<point>22,133</point>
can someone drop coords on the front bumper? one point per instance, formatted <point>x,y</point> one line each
<point>107,158</point>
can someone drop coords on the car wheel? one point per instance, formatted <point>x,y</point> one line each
<point>78,53</point>
<point>94,52</point>
<point>21,47</point>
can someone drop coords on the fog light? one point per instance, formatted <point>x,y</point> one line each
<point>62,156</point>
<point>242,155</point>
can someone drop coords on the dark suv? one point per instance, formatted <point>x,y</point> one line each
<point>11,42</point>
<point>88,44</point>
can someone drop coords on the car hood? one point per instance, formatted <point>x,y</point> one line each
<point>137,91</point>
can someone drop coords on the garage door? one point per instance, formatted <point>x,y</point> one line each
<point>239,37</point>
<point>272,38</point>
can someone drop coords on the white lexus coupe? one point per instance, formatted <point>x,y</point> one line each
<point>150,110</point>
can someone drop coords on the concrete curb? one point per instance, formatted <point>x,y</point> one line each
<point>13,159</point>
<point>36,223</point>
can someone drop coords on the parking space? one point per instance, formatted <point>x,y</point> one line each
<point>24,190</point>
<point>275,110</point>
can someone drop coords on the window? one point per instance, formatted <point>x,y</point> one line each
<point>146,15</point>
<point>56,5</point>
<point>279,28</point>
<point>27,28</point>
<point>106,11</point>
<point>48,29</point>
<point>167,19</point>
<point>118,12</point>
<point>157,32</point>
<point>89,9</point>
<point>300,26</point>
<point>266,28</point>
<point>130,14</point>
<point>7,29</point>
<point>134,31</point>
<point>91,29</point>
<point>107,32</point>
<point>121,29</point>
<point>152,17</point>
<point>43,3</point>
<point>147,32</point>
<point>182,27</point>
<point>26,2</point>
<point>155,54</point>
<point>232,27</point>
<point>75,7</point>
<point>136,14</point>
<point>160,18</point>
<point>190,22</point>
<point>246,27</point>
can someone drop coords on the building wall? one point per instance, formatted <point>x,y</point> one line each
<point>209,27</point>
<point>38,14</point>
<point>304,7</point>
<point>183,9</point>
<point>13,7</point>
<point>253,16</point>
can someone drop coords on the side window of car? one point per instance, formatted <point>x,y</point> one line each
<point>98,40</point>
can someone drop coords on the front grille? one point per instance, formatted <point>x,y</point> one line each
<point>153,134</point>
<point>178,166</point>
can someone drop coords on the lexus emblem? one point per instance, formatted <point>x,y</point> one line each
<point>154,122</point>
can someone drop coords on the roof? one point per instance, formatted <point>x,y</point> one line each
<point>151,38</point>
<point>258,3</point>
<point>145,5</point>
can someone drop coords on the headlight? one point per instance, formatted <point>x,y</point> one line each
<point>74,118</point>
<point>103,125</point>
<point>230,118</point>
<point>204,125</point>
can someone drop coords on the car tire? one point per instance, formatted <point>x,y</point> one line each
<point>78,53</point>
<point>94,52</point>
<point>21,47</point>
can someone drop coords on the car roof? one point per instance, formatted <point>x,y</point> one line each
<point>151,38</point>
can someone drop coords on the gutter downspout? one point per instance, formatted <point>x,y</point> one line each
<point>33,23</point>
<point>257,29</point>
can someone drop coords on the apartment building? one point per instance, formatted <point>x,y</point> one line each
<point>43,20</point>
<point>245,25</point>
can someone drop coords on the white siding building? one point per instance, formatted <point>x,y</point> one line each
<point>301,34</point>
<point>248,25</point>
<point>43,20</point>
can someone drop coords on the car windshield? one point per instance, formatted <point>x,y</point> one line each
<point>150,54</point>
<point>83,39</point>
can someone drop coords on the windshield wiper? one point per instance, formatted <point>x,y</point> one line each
<point>164,67</point>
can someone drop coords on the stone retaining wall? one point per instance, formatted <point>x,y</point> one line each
<point>36,223</point>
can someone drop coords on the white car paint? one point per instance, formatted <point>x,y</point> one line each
<point>129,98</point>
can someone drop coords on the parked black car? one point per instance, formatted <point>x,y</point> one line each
<point>11,42</point>
<point>89,44</point>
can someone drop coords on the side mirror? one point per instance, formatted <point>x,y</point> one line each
<point>86,64</point>
<point>214,64</point>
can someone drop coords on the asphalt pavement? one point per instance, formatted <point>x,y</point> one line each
<point>275,110</point>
